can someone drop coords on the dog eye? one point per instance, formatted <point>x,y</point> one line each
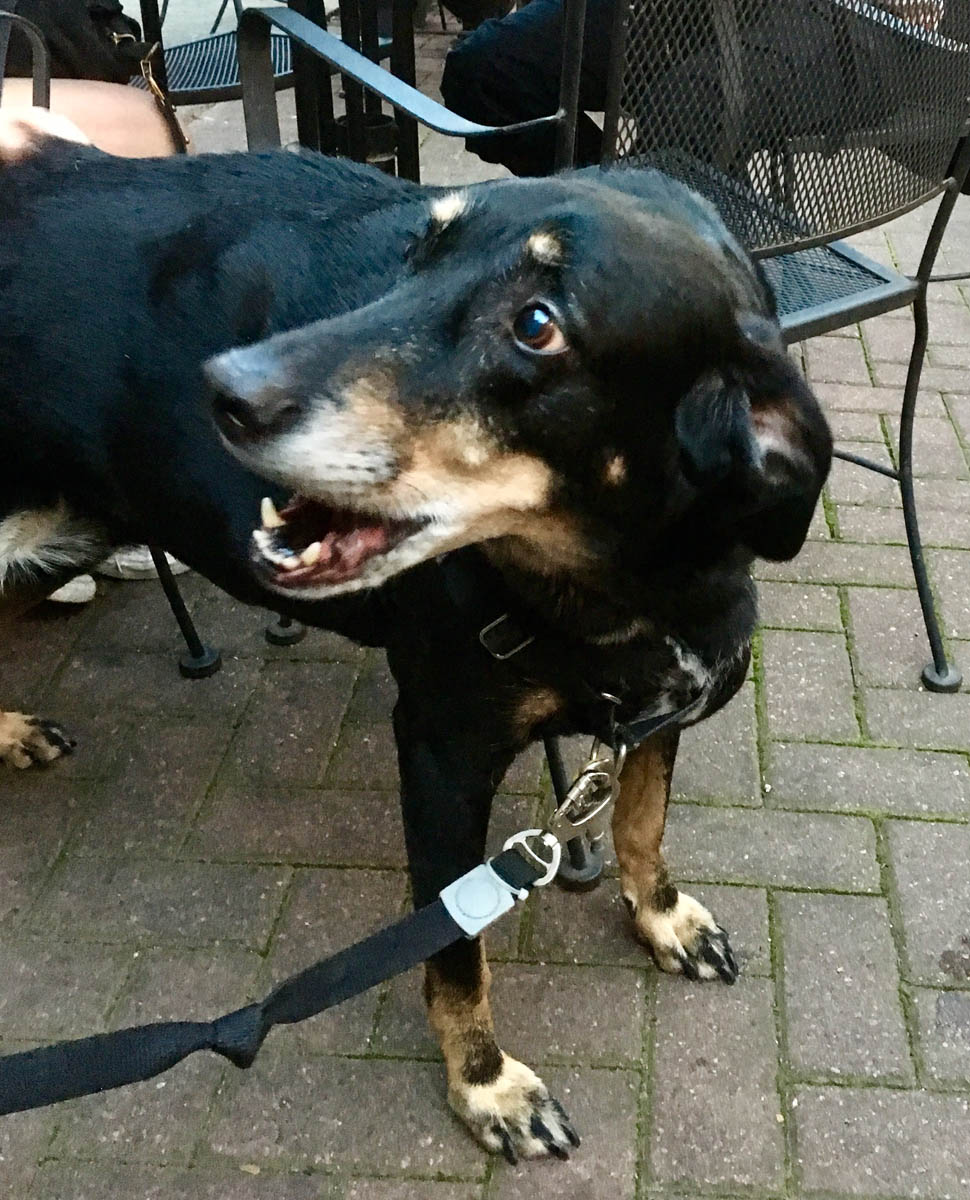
<point>536,329</point>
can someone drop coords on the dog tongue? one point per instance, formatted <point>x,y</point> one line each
<point>351,549</point>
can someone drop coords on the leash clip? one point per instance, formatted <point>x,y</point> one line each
<point>594,788</point>
<point>522,842</point>
<point>503,639</point>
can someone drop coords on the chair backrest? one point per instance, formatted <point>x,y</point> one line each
<point>802,120</point>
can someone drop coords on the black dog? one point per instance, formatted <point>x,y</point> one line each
<point>565,400</point>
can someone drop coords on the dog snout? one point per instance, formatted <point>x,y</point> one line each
<point>248,400</point>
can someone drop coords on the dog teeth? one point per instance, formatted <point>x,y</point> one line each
<point>311,555</point>
<point>270,517</point>
<point>291,562</point>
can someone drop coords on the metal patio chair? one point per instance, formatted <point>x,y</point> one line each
<point>204,71</point>
<point>796,172</point>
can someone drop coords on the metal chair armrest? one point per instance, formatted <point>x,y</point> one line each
<point>40,58</point>
<point>259,101</point>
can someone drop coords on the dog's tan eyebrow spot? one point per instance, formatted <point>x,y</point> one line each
<point>448,208</point>
<point>615,471</point>
<point>545,248</point>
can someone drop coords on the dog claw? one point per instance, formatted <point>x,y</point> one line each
<point>508,1146</point>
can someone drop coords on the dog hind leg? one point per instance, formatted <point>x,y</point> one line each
<point>680,932</point>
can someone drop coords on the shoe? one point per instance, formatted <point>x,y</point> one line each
<point>135,562</point>
<point>79,590</point>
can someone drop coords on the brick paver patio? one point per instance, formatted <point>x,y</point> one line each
<point>210,837</point>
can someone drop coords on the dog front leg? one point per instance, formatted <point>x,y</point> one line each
<point>681,933</point>
<point>446,798</point>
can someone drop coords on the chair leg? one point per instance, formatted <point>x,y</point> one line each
<point>582,865</point>
<point>200,661</point>
<point>284,631</point>
<point>939,675</point>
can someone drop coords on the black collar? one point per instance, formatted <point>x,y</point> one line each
<point>514,635</point>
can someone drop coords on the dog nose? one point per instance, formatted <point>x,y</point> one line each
<point>247,400</point>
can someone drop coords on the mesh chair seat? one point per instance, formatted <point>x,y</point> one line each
<point>207,70</point>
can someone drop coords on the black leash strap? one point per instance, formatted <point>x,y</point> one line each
<point>66,1070</point>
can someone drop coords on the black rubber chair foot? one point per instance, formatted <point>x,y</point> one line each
<point>581,868</point>
<point>279,634</point>
<point>200,666</point>
<point>948,681</point>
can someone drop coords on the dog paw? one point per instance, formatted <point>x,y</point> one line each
<point>25,741</point>
<point>515,1115</point>
<point>686,939</point>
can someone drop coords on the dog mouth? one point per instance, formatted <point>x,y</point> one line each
<point>312,544</point>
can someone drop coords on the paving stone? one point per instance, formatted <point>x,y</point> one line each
<point>938,379</point>
<point>185,985</point>
<point>30,659</point>
<point>875,1142</point>
<point>24,1138</point>
<point>411,1189</point>
<point>110,1181</point>
<point>808,685</point>
<point>951,574</point>
<point>936,450</point>
<point>943,1022</point>
<point>867,398</point>
<point>291,727</point>
<point>856,427</point>
<point>842,563</point>
<point>959,409</point>
<point>929,863</point>
<point>159,1121</point>
<point>365,757</point>
<point>848,483</point>
<point>720,757</point>
<point>888,636</point>
<point>103,680</point>
<point>799,606</point>
<point>714,1111</point>
<point>144,902</point>
<point>329,910</point>
<point>338,828</point>
<point>360,1115</point>
<point>591,1015</point>
<point>919,718</point>
<point>603,1107</point>
<point>938,526</point>
<point>842,995</point>
<point>53,990</point>
<point>837,360</point>
<point>35,825</point>
<point>154,789</point>
<point>888,341</point>
<point>374,695</point>
<point>781,849</point>
<point>867,779</point>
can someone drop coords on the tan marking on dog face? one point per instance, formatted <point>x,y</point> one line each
<point>448,208</point>
<point>22,134</point>
<point>536,706</point>
<point>545,248</point>
<point>371,400</point>
<point>615,471</point>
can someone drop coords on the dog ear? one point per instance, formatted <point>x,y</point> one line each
<point>752,433</point>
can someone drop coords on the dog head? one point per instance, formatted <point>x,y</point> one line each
<point>568,369</point>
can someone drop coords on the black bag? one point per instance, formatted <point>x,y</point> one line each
<point>87,39</point>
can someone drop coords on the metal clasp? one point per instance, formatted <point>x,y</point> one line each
<point>502,649</point>
<point>521,842</point>
<point>594,788</point>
